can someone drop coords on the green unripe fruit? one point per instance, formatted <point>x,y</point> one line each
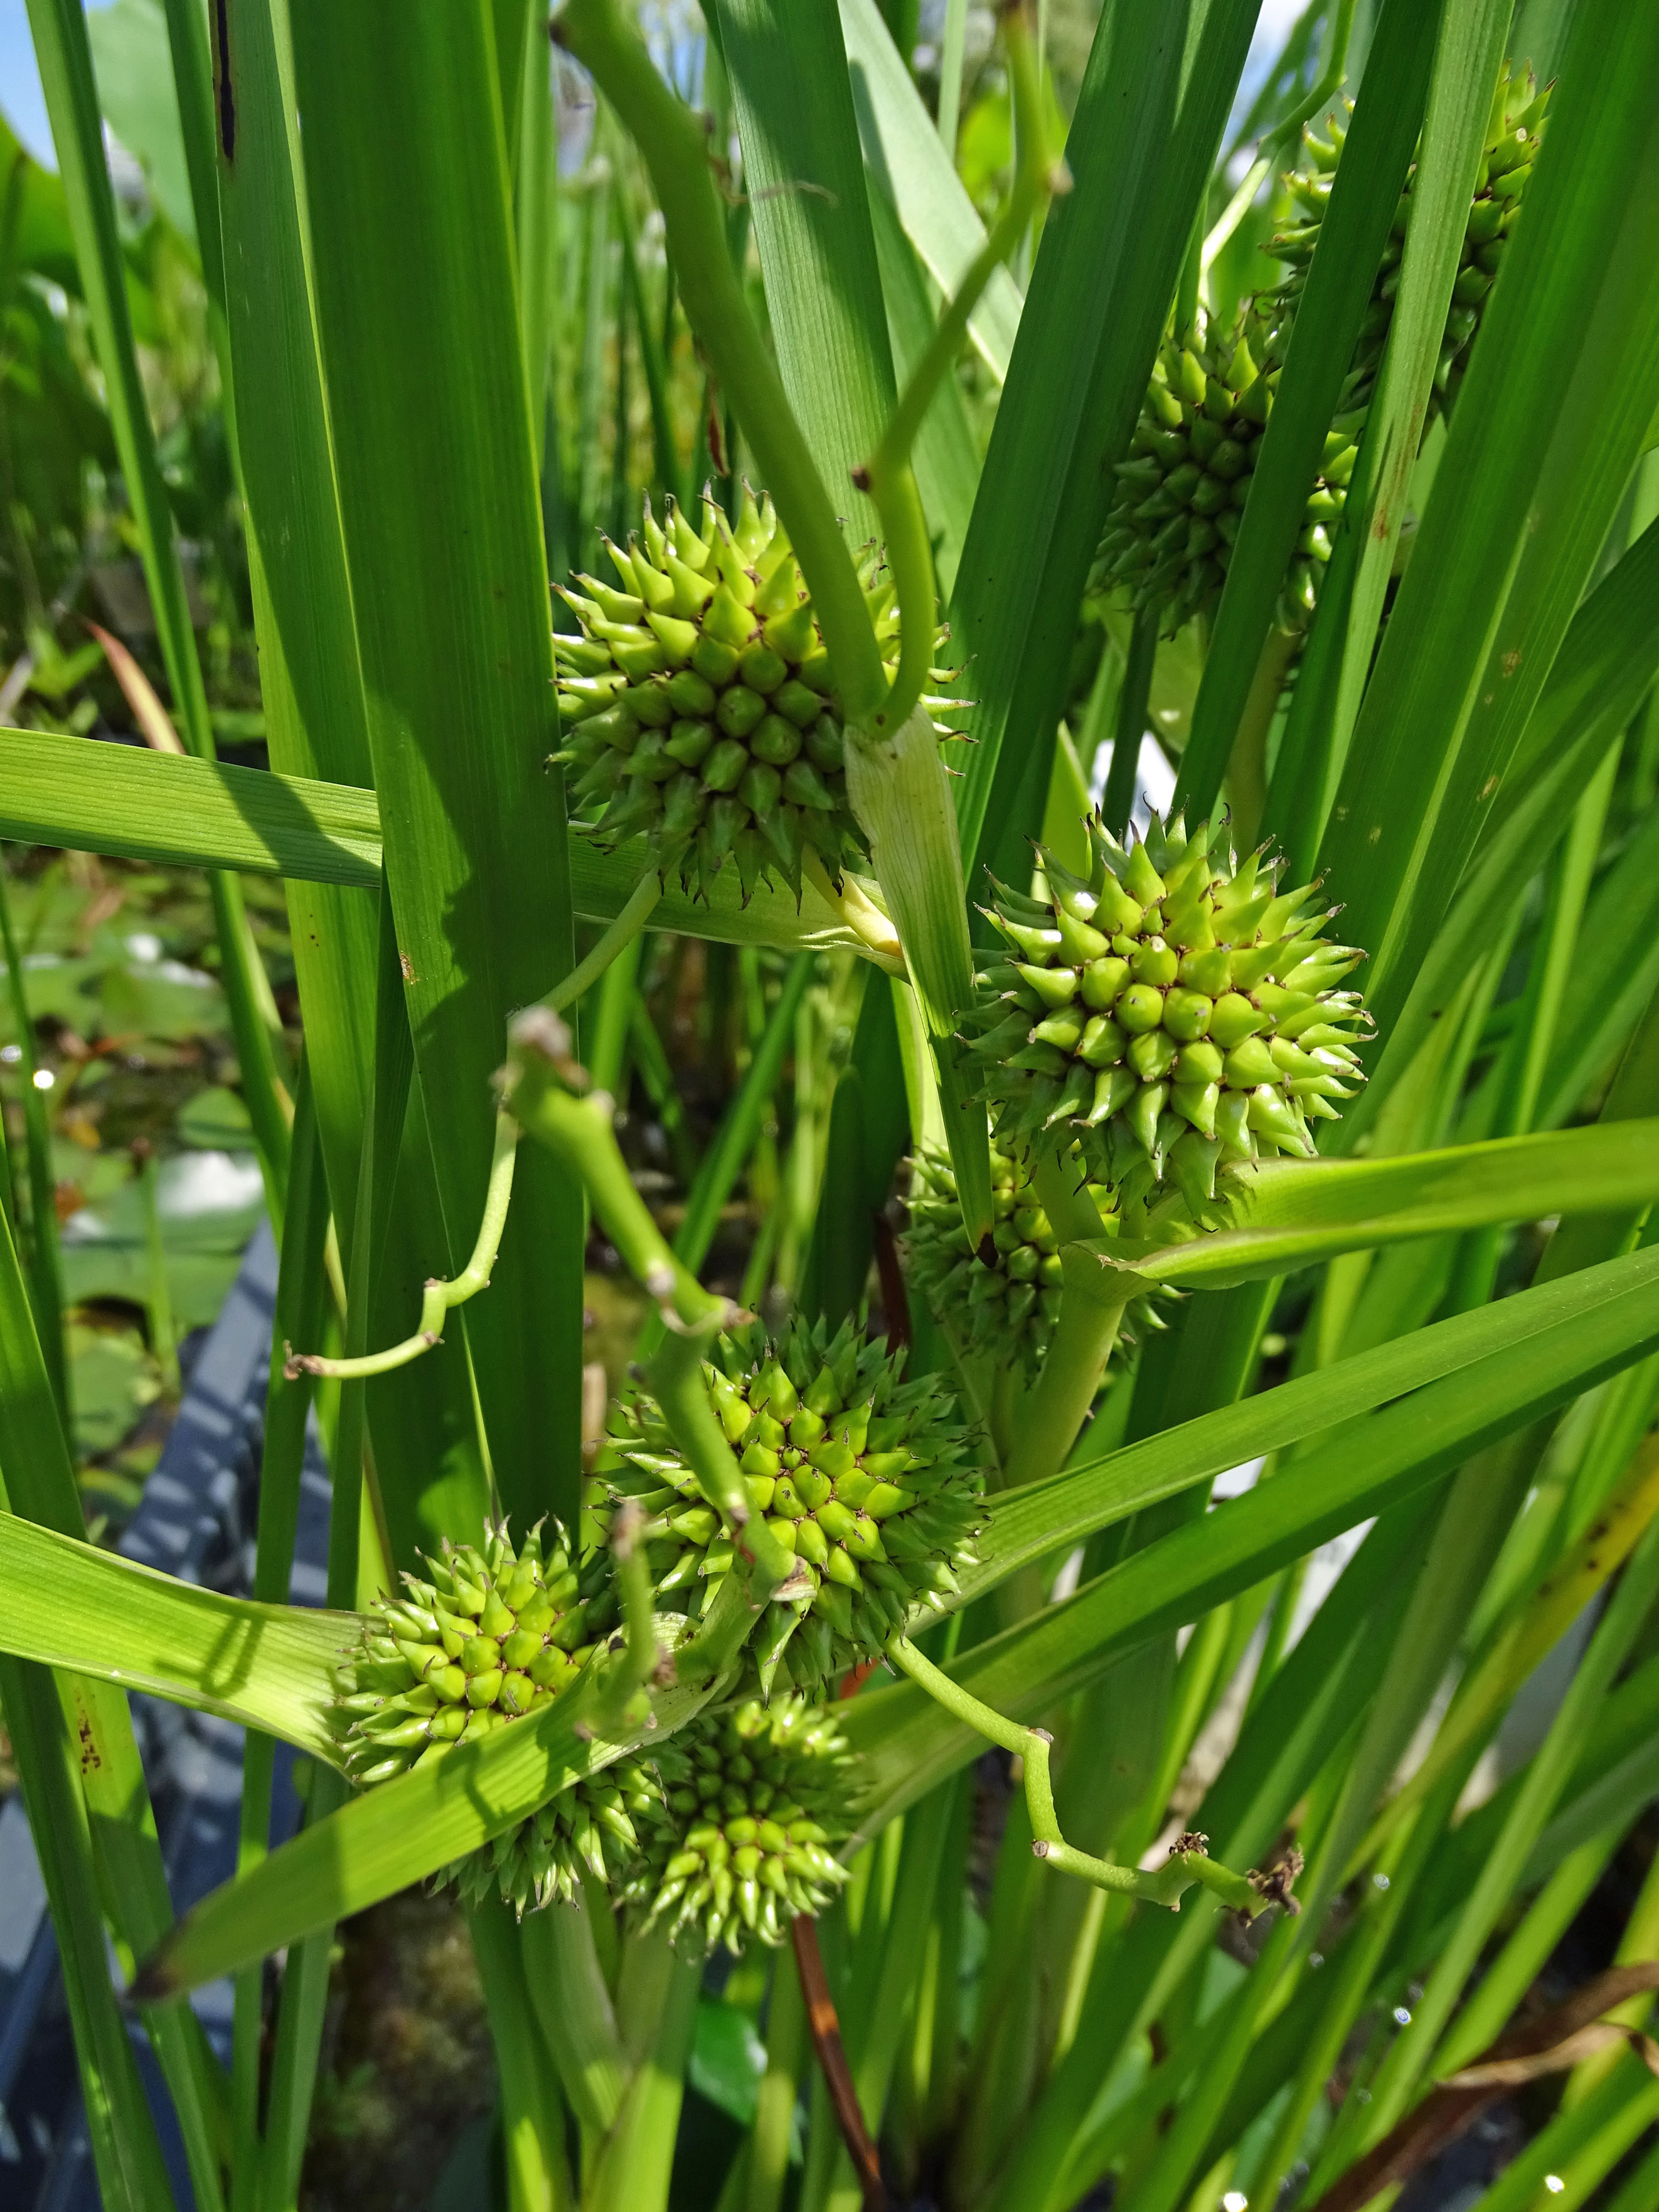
<point>1179,1080</point>
<point>495,1633</point>
<point>1194,446</point>
<point>1007,1304</point>
<point>490,1620</point>
<point>1514,130</point>
<point>1168,542</point>
<point>593,1824</point>
<point>717,641</point>
<point>817,1424</point>
<point>755,1798</point>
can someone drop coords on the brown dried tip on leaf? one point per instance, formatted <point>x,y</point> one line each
<point>1273,1884</point>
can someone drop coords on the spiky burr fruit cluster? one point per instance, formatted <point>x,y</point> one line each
<point>1514,132</point>
<point>698,703</point>
<point>1174,1014</point>
<point>1005,1302</point>
<point>593,1823</point>
<point>496,1632</point>
<point>1180,492</point>
<point>754,1800</point>
<point>863,1476</point>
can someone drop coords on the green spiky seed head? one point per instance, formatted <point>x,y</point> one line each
<point>592,1825</point>
<point>496,1632</point>
<point>1181,491</point>
<point>863,1476</point>
<point>1006,1302</point>
<point>754,1800</point>
<point>698,705</point>
<point>1175,1014</point>
<point>1514,130</point>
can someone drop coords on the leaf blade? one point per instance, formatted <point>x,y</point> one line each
<point>70,1605</point>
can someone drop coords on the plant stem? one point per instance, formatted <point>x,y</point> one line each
<point>440,1297</point>
<point>623,1706</point>
<point>1247,764</point>
<point>676,1379</point>
<point>736,1139</point>
<point>158,1298</point>
<point>632,2170</point>
<point>573,2005</point>
<point>45,1276</point>
<point>618,937</point>
<point>898,788</point>
<point>1091,1307</point>
<point>530,2131</point>
<point>580,1130</point>
<point>1188,1863</point>
<point>826,2028</point>
<point>676,153</point>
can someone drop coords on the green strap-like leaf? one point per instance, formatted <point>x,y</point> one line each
<point>131,2172</point>
<point>1611,1319</point>
<point>1027,1524</point>
<point>906,156</point>
<point>1148,121</point>
<point>1605,666</point>
<point>394,1835</point>
<point>1351,236</point>
<point>1541,444</point>
<point>67,1604</point>
<point>190,813</point>
<point>1294,1211</point>
<point>194,813</point>
<point>804,180</point>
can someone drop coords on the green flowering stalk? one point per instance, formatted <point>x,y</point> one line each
<point>862,1478</point>
<point>740,1844</point>
<point>1174,1015</point>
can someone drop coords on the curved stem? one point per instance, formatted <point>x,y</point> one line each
<point>440,1297</point>
<point>1277,140</point>
<point>541,1098</point>
<point>676,150</point>
<point>624,1707</point>
<point>1187,1864</point>
<point>676,1378</point>
<point>617,938</point>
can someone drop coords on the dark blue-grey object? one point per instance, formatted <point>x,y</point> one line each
<point>196,1521</point>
